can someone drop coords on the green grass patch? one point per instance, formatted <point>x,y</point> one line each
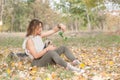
<point>90,41</point>
<point>86,41</point>
<point>65,74</point>
<point>11,41</point>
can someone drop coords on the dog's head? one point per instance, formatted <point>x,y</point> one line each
<point>47,42</point>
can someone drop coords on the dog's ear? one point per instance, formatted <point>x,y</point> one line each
<point>49,42</point>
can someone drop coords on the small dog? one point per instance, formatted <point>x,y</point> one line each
<point>18,57</point>
<point>24,56</point>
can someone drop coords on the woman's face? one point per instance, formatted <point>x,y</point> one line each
<point>38,30</point>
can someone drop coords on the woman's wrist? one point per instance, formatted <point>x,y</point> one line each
<point>46,49</point>
<point>56,29</point>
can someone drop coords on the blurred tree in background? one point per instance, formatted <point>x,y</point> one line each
<point>76,14</point>
<point>83,12</point>
<point>90,14</point>
<point>18,13</point>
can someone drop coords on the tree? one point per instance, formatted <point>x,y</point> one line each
<point>1,12</point>
<point>18,13</point>
<point>15,15</point>
<point>115,1</point>
<point>79,9</point>
<point>42,10</point>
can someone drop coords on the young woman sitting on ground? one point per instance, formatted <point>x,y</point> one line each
<point>34,47</point>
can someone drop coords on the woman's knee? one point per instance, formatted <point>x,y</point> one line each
<point>64,47</point>
<point>51,53</point>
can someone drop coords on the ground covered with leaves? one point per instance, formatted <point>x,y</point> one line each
<point>99,56</point>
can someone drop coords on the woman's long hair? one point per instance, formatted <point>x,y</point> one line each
<point>32,26</point>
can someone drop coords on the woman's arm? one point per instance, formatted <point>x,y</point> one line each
<point>54,30</point>
<point>33,52</point>
<point>50,32</point>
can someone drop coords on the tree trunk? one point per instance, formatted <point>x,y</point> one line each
<point>88,19</point>
<point>72,27</point>
<point>1,14</point>
<point>76,25</point>
<point>12,22</point>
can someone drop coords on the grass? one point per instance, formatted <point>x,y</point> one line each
<point>65,74</point>
<point>91,41</point>
<point>86,41</point>
<point>11,41</point>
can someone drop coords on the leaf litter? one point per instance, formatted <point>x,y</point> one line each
<point>99,63</point>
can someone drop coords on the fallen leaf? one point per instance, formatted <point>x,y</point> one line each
<point>8,71</point>
<point>82,65</point>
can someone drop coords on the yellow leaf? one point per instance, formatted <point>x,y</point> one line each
<point>53,75</point>
<point>33,70</point>
<point>20,63</point>
<point>47,78</point>
<point>99,50</point>
<point>12,64</point>
<point>111,63</point>
<point>20,66</point>
<point>8,71</point>
<point>81,78</point>
<point>82,65</point>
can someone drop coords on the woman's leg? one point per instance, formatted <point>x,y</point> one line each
<point>68,54</point>
<point>66,51</point>
<point>49,58</point>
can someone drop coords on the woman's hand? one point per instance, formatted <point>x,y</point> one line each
<point>62,27</point>
<point>51,47</point>
<point>54,30</point>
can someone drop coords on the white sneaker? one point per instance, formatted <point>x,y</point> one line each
<point>72,68</point>
<point>76,62</point>
<point>82,71</point>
